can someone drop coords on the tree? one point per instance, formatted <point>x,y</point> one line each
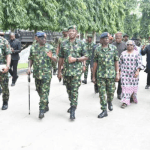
<point>145,20</point>
<point>42,14</point>
<point>14,14</point>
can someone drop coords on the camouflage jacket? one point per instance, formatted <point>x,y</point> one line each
<point>90,49</point>
<point>4,50</point>
<point>76,49</point>
<point>62,39</point>
<point>42,64</point>
<point>106,57</point>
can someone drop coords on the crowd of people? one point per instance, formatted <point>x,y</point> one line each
<point>111,60</point>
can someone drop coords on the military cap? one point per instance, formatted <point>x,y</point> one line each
<point>89,35</point>
<point>65,30</point>
<point>72,27</point>
<point>40,34</point>
<point>104,34</point>
<point>125,35</point>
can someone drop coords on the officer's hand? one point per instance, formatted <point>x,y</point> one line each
<point>117,77</point>
<point>49,54</point>
<point>29,71</point>
<point>5,70</point>
<point>94,80</point>
<point>136,74</point>
<point>12,49</point>
<point>71,59</point>
<point>84,68</point>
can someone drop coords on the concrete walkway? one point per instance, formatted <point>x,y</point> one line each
<point>123,129</point>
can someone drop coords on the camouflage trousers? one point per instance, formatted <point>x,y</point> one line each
<point>106,87</point>
<point>4,80</point>
<point>43,89</point>
<point>72,84</point>
<point>87,69</point>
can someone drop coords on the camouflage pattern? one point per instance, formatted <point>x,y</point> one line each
<point>90,49</point>
<point>42,64</point>
<point>106,86</point>
<point>43,89</point>
<point>72,84</point>
<point>42,70</point>
<point>4,51</point>
<point>76,49</point>
<point>105,57</point>
<point>62,39</point>
<point>72,71</point>
<point>34,43</point>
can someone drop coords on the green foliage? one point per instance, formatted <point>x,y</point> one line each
<point>145,21</point>
<point>13,14</point>
<point>42,14</point>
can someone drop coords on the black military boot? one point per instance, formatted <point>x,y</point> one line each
<point>46,108</point>
<point>41,114</point>
<point>103,114</point>
<point>72,112</point>
<point>84,81</point>
<point>5,105</point>
<point>110,106</point>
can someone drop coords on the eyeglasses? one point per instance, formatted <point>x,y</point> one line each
<point>129,44</point>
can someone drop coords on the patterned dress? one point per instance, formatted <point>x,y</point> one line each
<point>128,64</point>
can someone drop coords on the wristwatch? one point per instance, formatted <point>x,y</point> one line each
<point>76,59</point>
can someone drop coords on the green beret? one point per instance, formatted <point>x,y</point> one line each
<point>72,27</point>
<point>65,30</point>
<point>89,35</point>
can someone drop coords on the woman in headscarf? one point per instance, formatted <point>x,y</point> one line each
<point>130,64</point>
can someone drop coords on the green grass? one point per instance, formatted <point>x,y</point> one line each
<point>22,65</point>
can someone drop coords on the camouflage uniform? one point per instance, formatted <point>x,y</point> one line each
<point>90,49</point>
<point>42,71</point>
<point>72,71</point>
<point>105,58</point>
<point>4,51</point>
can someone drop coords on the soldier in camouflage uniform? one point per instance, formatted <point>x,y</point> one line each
<point>106,63</point>
<point>41,56</point>
<point>73,52</point>
<point>5,59</point>
<point>90,48</point>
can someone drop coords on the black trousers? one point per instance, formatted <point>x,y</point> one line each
<point>119,90</point>
<point>14,64</point>
<point>148,79</point>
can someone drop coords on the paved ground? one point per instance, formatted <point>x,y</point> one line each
<point>123,129</point>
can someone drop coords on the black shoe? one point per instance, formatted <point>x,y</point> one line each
<point>5,105</point>
<point>72,112</point>
<point>103,114</point>
<point>13,84</point>
<point>110,106</point>
<point>84,81</point>
<point>147,86</point>
<point>41,114</point>
<point>46,108</point>
<point>119,97</point>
